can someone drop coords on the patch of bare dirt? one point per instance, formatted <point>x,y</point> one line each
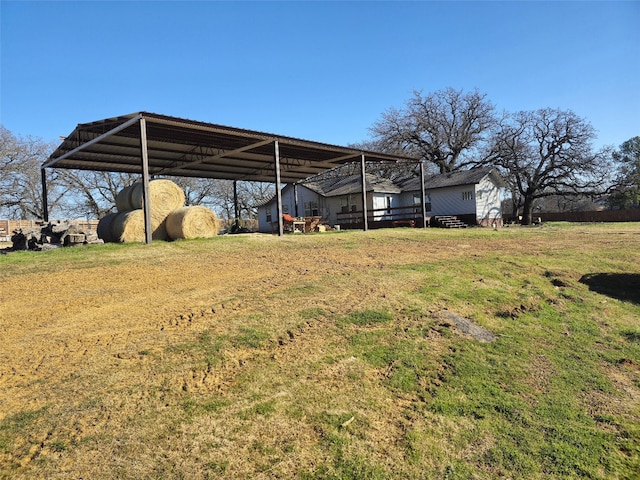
<point>466,326</point>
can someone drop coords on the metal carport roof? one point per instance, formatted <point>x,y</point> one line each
<point>188,148</point>
<point>150,144</point>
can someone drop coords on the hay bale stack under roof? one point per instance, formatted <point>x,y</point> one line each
<point>123,199</point>
<point>192,222</point>
<point>164,196</point>
<point>129,227</point>
<point>104,228</point>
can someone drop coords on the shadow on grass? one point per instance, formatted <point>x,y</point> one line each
<point>623,286</point>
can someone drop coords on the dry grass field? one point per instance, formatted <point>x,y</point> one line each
<point>325,356</point>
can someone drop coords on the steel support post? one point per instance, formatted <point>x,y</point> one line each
<point>423,196</point>
<point>363,177</point>
<point>144,153</point>
<point>45,201</point>
<point>235,204</point>
<point>276,161</point>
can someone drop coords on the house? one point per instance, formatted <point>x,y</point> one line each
<point>335,199</point>
<point>473,196</point>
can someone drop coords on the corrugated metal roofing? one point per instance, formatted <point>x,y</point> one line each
<point>452,179</point>
<point>333,187</point>
<point>189,148</point>
<point>351,184</point>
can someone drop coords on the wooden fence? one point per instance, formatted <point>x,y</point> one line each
<point>632,215</point>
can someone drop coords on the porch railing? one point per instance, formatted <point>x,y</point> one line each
<point>394,214</point>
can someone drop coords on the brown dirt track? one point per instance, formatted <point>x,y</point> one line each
<point>104,347</point>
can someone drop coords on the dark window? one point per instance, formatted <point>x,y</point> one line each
<point>311,209</point>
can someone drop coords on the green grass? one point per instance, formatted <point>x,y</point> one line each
<point>367,317</point>
<point>15,424</point>
<point>375,385</point>
<point>536,434</point>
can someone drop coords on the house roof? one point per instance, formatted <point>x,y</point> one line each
<point>452,179</point>
<point>334,186</point>
<point>345,185</point>
<point>189,148</point>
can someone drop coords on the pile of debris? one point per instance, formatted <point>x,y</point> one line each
<point>51,235</point>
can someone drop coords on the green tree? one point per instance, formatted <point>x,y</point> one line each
<point>626,193</point>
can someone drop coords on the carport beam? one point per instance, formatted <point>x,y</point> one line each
<point>98,139</point>
<point>148,233</point>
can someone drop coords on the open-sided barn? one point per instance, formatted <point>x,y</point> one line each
<point>151,145</point>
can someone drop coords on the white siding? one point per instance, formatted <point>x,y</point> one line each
<point>380,203</point>
<point>289,206</point>
<point>288,202</point>
<point>334,207</point>
<point>450,201</point>
<point>482,200</point>
<point>263,225</point>
<point>405,199</point>
<point>488,202</point>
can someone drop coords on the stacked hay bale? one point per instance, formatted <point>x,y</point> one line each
<point>104,228</point>
<point>167,207</point>
<point>192,222</point>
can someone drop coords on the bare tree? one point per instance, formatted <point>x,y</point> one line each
<point>515,197</point>
<point>93,193</point>
<point>444,128</point>
<point>20,177</point>
<point>548,152</point>
<point>198,191</point>
<point>391,170</point>
<point>249,195</point>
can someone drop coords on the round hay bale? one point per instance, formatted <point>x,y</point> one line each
<point>129,227</point>
<point>164,196</point>
<point>192,222</point>
<point>123,199</point>
<point>104,227</point>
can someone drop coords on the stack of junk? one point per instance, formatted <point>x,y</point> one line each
<point>170,219</point>
<point>52,235</point>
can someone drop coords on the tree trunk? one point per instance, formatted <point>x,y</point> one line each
<point>515,206</point>
<point>514,212</point>
<point>527,211</point>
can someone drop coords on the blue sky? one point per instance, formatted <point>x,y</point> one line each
<point>322,71</point>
